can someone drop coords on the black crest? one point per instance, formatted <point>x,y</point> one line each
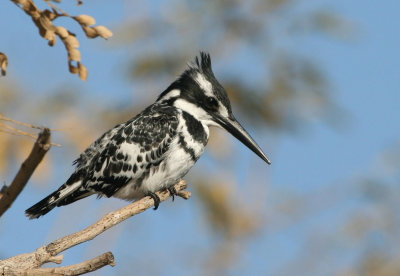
<point>186,82</point>
<point>190,89</point>
<point>204,63</point>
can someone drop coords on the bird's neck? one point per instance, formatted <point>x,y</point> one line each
<point>195,128</point>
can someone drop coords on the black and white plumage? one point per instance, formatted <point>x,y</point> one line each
<point>156,148</point>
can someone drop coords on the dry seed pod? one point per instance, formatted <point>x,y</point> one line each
<point>51,37</point>
<point>72,68</point>
<point>46,23</point>
<point>3,63</point>
<point>71,42</point>
<point>103,31</point>
<point>74,54</point>
<point>90,32</point>
<point>43,19</point>
<point>85,19</point>
<point>62,32</point>
<point>83,72</point>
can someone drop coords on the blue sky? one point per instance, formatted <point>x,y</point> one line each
<point>363,72</point>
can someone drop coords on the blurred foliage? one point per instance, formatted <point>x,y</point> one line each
<point>232,218</point>
<point>371,228</point>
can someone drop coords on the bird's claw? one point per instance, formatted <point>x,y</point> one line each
<point>156,199</point>
<point>173,192</point>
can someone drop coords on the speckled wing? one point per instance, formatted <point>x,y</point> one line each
<point>131,150</point>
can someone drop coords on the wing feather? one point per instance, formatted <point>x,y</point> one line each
<point>128,151</point>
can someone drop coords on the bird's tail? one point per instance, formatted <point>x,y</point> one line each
<point>66,194</point>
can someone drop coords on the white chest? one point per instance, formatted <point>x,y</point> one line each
<point>183,153</point>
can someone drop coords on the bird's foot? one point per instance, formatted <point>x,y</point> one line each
<point>173,192</point>
<point>156,199</point>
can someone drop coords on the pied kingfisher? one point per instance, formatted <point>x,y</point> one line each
<point>155,149</point>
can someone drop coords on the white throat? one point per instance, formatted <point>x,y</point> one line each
<point>197,112</point>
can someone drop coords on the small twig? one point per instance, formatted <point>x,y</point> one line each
<point>4,118</point>
<point>60,12</point>
<point>41,146</point>
<point>14,131</point>
<point>48,253</point>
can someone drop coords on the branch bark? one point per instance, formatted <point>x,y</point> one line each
<point>76,269</point>
<point>9,194</point>
<point>48,253</point>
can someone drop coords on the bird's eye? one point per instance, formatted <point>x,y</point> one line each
<point>212,102</point>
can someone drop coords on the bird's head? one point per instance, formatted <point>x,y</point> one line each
<point>198,92</point>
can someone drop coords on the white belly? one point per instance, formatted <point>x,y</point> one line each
<point>166,174</point>
<point>176,164</point>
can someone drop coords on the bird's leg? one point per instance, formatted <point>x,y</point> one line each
<point>156,199</point>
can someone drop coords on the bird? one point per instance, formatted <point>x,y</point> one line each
<point>155,149</point>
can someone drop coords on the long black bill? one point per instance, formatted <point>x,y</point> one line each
<point>241,134</point>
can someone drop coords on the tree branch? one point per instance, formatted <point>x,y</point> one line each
<point>76,269</point>
<point>48,253</point>
<point>9,194</point>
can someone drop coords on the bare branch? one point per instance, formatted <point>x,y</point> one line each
<point>84,267</point>
<point>110,220</point>
<point>9,194</point>
<point>48,253</point>
<point>76,269</point>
